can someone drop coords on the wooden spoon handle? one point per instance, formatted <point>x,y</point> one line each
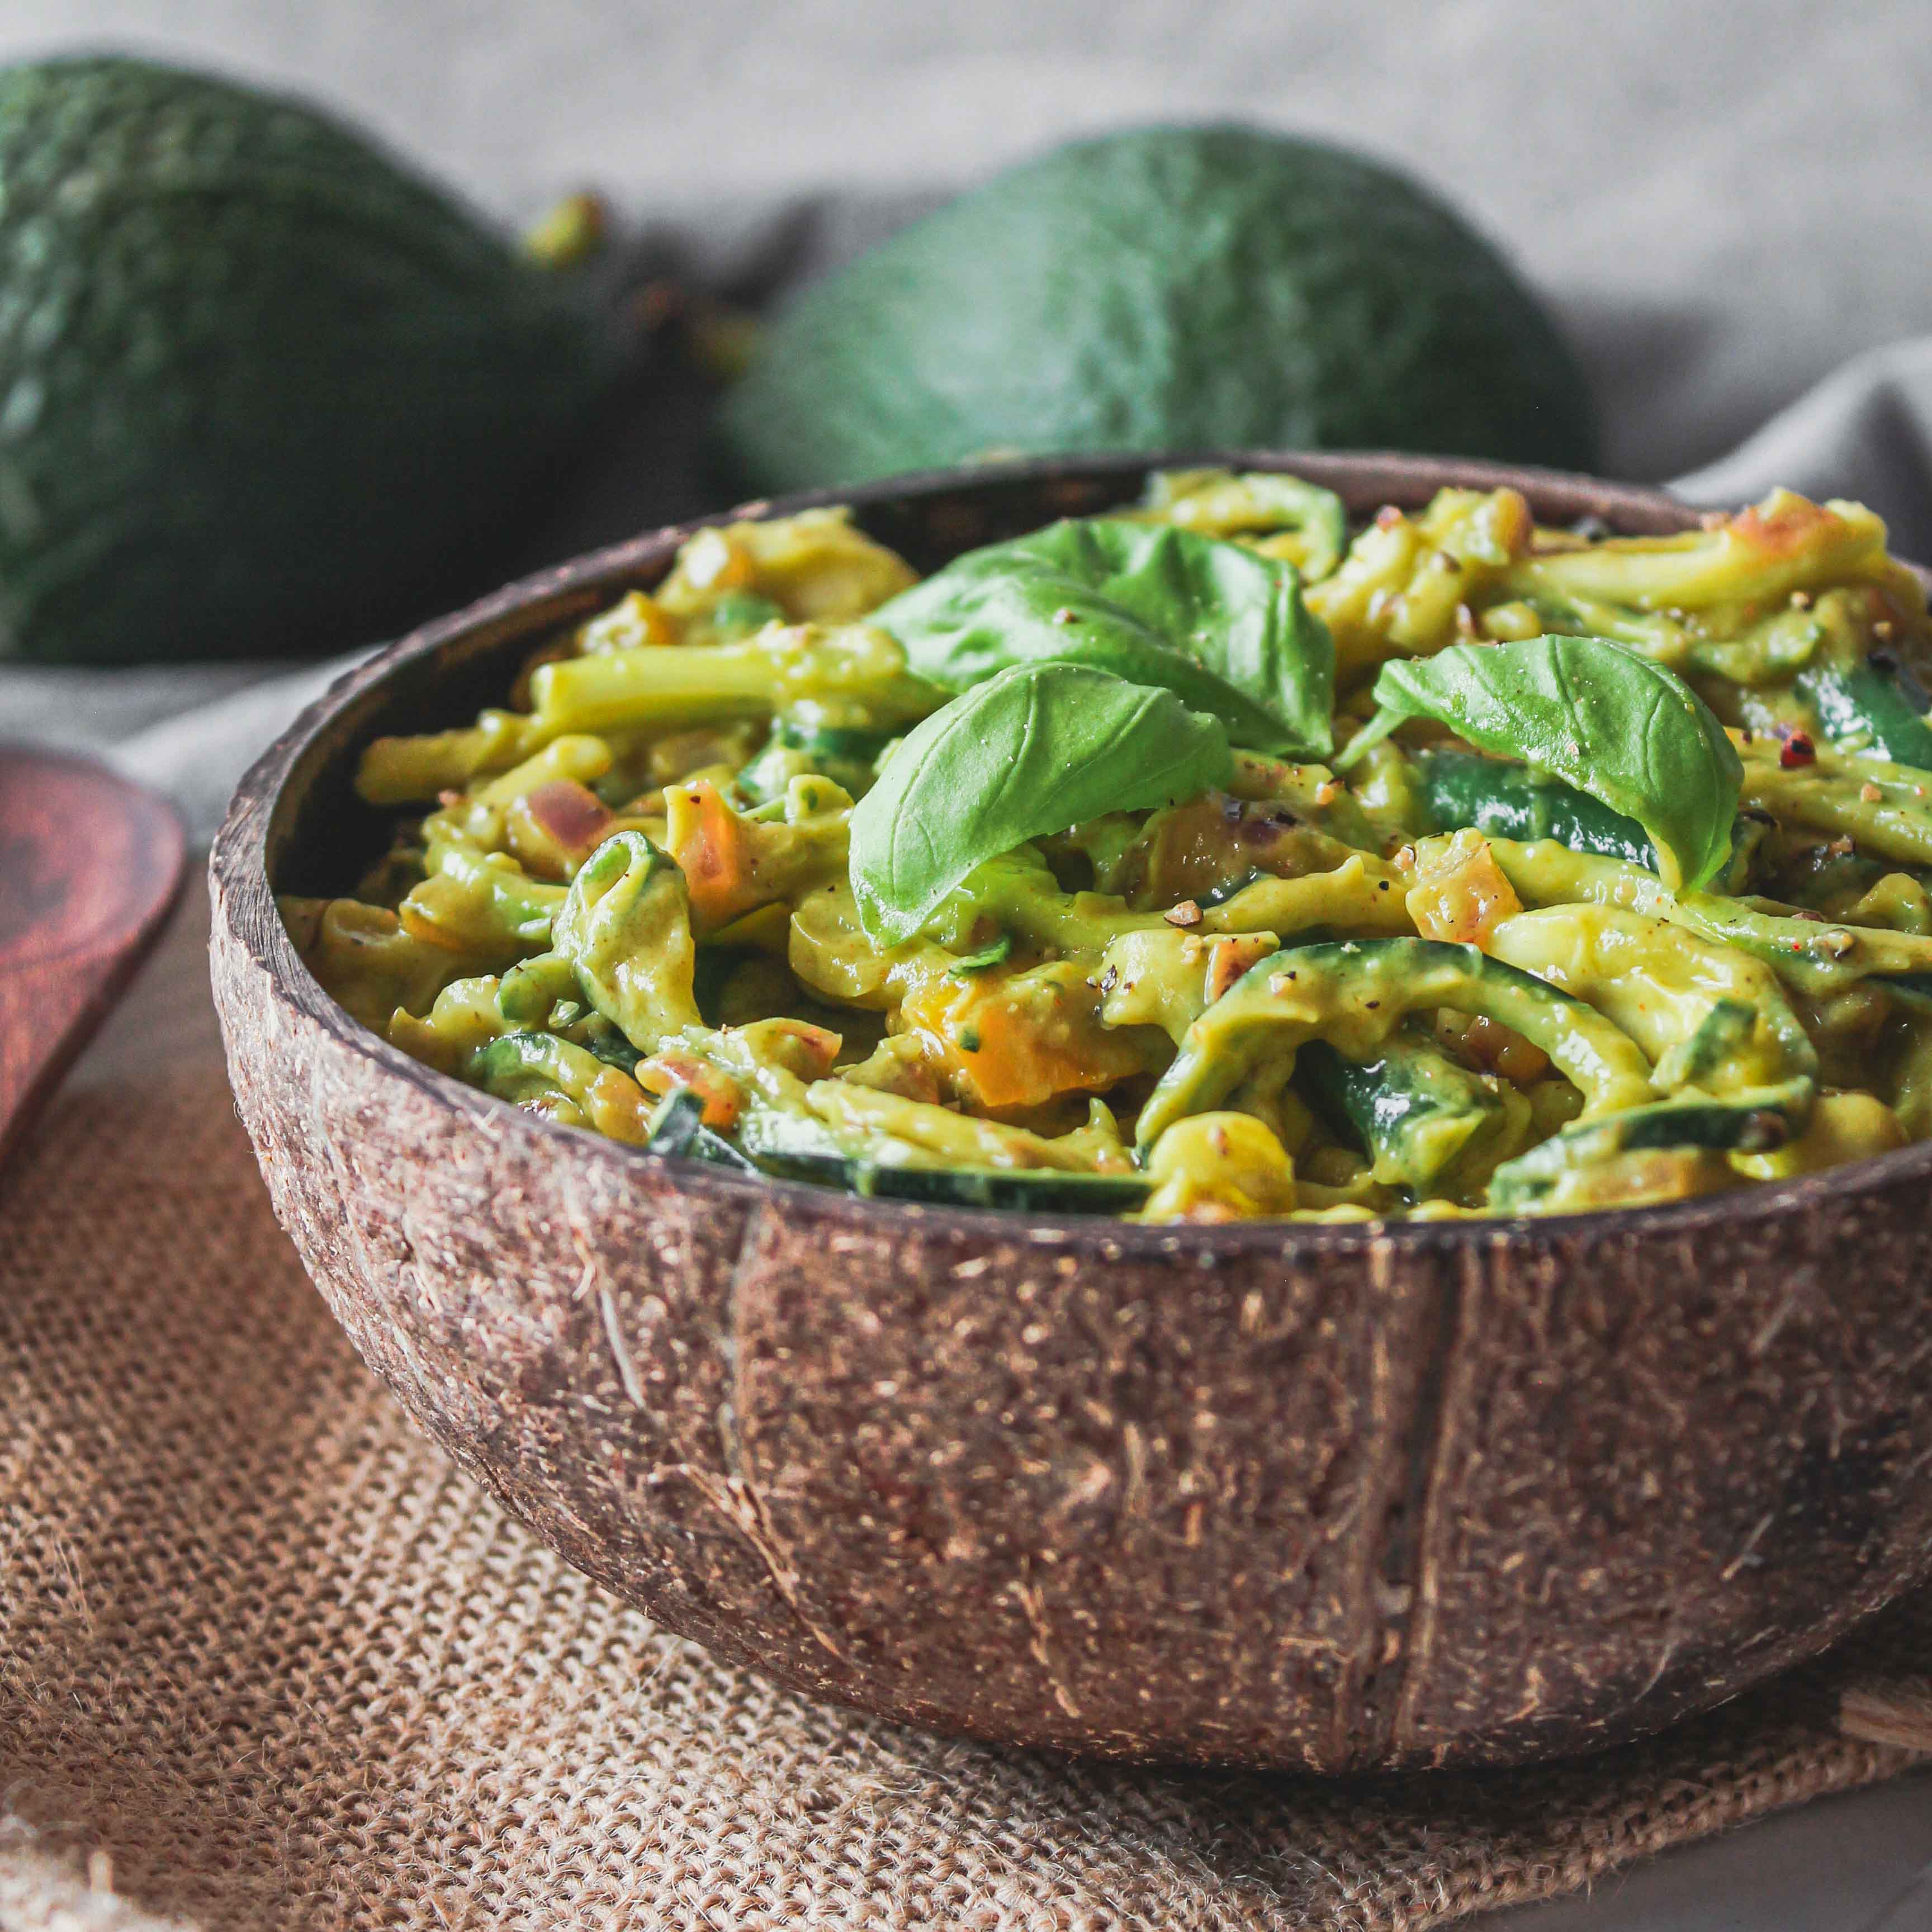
<point>90,867</point>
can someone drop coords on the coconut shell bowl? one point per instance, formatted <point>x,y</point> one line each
<point>1337,1498</point>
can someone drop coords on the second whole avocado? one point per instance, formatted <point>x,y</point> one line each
<point>1166,288</point>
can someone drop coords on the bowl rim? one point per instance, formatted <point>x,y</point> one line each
<point>243,900</point>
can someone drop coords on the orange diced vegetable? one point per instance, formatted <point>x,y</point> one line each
<point>1460,893</point>
<point>1019,1040</point>
<point>708,840</point>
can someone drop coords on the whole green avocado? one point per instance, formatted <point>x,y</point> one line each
<point>262,390</point>
<point>1170,287</point>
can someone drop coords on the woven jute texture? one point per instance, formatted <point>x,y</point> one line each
<point>267,1660</point>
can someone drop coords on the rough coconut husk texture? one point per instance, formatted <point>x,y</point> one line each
<point>1346,1499</point>
<point>267,1659</point>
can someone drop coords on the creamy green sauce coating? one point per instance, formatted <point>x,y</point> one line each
<point>1423,978</point>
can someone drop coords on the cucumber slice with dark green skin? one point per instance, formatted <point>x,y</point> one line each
<point>795,1149</point>
<point>1510,801</point>
<point>1872,702</point>
<point>602,1038</point>
<point>795,1145</point>
<point>1355,994</point>
<point>675,1124</point>
<point>1416,1111</point>
<point>527,1065</point>
<point>1750,1122</point>
<point>1040,1190</point>
<point>677,1130</point>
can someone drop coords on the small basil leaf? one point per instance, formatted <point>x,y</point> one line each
<point>1224,629</point>
<point>1614,724</point>
<point>1037,749</point>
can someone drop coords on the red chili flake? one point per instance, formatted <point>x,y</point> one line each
<point>1797,750</point>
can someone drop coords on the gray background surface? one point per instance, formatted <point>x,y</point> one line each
<point>1726,202</point>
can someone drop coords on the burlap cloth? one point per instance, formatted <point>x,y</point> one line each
<point>266,1659</point>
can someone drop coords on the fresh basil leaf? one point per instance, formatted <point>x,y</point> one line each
<point>1036,749</point>
<point>1224,629</point>
<point>1609,722</point>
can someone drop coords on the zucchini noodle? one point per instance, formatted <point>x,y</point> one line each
<point>1447,983</point>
